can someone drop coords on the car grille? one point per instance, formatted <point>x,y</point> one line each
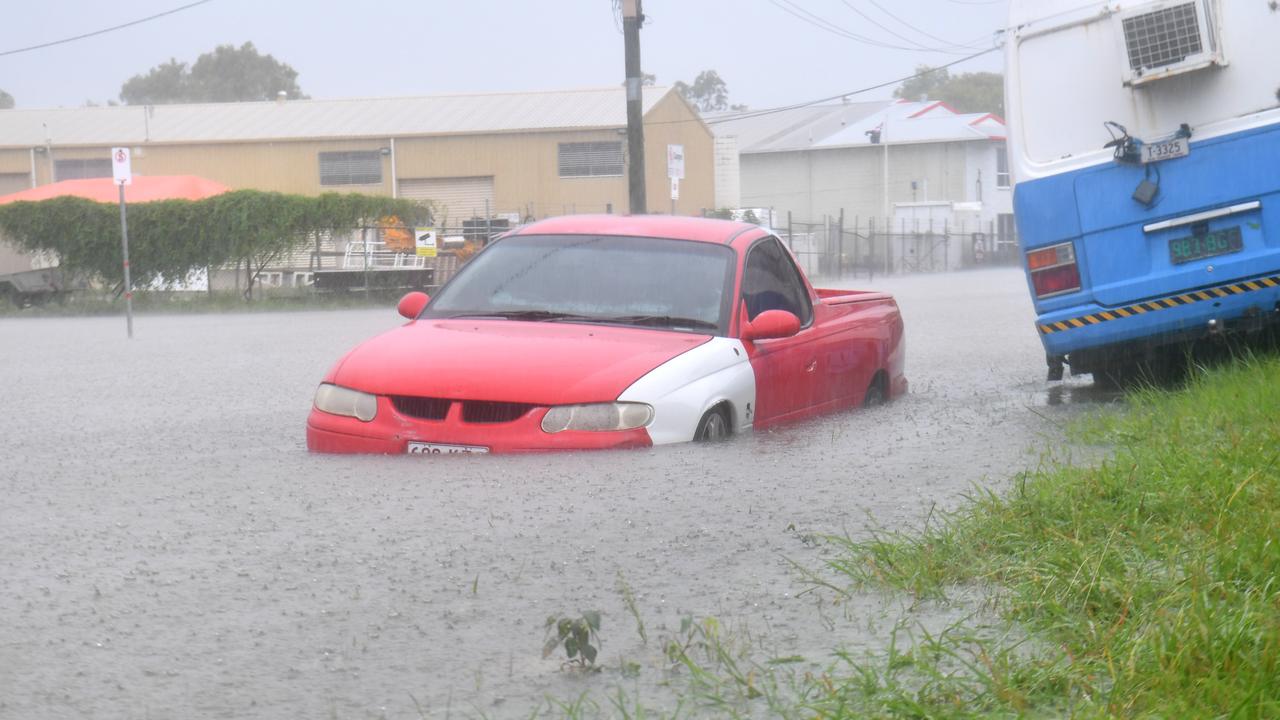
<point>493,412</point>
<point>421,407</point>
<point>473,411</point>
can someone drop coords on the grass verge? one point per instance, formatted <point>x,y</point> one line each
<point>1150,582</point>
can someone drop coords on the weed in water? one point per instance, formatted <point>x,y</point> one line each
<point>575,635</point>
<point>629,598</point>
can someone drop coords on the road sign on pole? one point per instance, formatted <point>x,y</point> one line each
<point>121,166</point>
<point>675,162</point>
<point>122,172</point>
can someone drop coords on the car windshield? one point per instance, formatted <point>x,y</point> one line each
<point>675,284</point>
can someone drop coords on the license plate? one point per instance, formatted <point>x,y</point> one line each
<point>1196,247</point>
<point>422,448</point>
<point>1165,150</point>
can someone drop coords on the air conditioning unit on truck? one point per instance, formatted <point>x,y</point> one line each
<point>1145,147</point>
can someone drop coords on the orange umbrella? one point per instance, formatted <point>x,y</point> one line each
<point>145,188</point>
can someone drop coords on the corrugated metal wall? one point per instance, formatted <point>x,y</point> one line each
<point>524,166</point>
<point>454,199</point>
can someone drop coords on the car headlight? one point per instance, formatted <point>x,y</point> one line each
<point>598,417</point>
<point>337,400</point>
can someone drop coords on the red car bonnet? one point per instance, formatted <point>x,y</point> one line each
<point>539,363</point>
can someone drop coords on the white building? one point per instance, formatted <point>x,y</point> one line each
<point>905,164</point>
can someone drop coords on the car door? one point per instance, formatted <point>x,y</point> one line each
<point>847,337</point>
<point>785,368</point>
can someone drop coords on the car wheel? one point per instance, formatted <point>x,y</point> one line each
<point>713,427</point>
<point>875,394</point>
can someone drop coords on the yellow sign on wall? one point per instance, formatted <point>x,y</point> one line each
<point>424,239</point>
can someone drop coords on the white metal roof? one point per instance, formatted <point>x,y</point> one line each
<point>303,119</point>
<point>918,122</point>
<point>789,129</point>
<point>850,124</point>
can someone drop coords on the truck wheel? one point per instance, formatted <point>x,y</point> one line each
<point>1161,370</point>
<point>713,427</point>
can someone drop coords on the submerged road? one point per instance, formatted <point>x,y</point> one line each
<point>169,549</point>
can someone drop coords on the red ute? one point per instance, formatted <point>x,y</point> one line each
<point>602,331</point>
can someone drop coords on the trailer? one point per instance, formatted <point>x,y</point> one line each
<point>33,287</point>
<point>370,265</point>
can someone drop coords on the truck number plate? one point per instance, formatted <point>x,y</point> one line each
<point>1195,247</point>
<point>1165,150</point>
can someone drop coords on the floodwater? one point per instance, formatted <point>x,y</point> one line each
<point>169,549</point>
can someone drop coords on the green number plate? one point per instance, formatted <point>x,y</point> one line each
<point>1218,242</point>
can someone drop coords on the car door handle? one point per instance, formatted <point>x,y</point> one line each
<point>813,365</point>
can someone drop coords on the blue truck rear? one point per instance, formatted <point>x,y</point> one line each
<point>1203,258</point>
<point>1146,150</point>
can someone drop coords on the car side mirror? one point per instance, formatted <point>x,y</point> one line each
<point>771,324</point>
<point>411,304</point>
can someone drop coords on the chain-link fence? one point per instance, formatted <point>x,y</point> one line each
<point>837,247</point>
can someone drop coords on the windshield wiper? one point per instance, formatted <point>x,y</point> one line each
<point>529,315</point>
<point>662,321</point>
<point>552,316</point>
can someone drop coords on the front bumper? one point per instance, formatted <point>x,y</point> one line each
<point>390,433</point>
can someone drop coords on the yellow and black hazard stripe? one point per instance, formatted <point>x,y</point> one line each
<point>1173,301</point>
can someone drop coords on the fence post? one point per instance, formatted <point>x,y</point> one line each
<point>364,237</point>
<point>840,247</point>
<point>871,241</point>
<point>946,248</point>
<point>888,246</point>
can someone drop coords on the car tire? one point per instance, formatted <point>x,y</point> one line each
<point>876,394</point>
<point>714,426</point>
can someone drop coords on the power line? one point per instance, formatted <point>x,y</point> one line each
<point>748,114</point>
<point>795,10</point>
<point>104,30</point>
<point>896,34</point>
<point>931,36</point>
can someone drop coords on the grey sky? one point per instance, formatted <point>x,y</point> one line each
<point>399,47</point>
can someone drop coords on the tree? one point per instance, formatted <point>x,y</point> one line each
<point>967,92</point>
<point>925,85</point>
<point>6,101</point>
<point>228,74</point>
<point>167,83</point>
<point>708,93</point>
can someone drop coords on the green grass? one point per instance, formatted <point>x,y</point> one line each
<point>1146,585</point>
<point>1150,583</point>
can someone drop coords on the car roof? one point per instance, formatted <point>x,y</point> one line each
<point>672,227</point>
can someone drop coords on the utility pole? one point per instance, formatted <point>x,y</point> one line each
<point>632,21</point>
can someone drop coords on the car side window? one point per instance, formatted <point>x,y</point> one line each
<point>770,281</point>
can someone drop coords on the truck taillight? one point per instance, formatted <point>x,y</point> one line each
<point>1054,270</point>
